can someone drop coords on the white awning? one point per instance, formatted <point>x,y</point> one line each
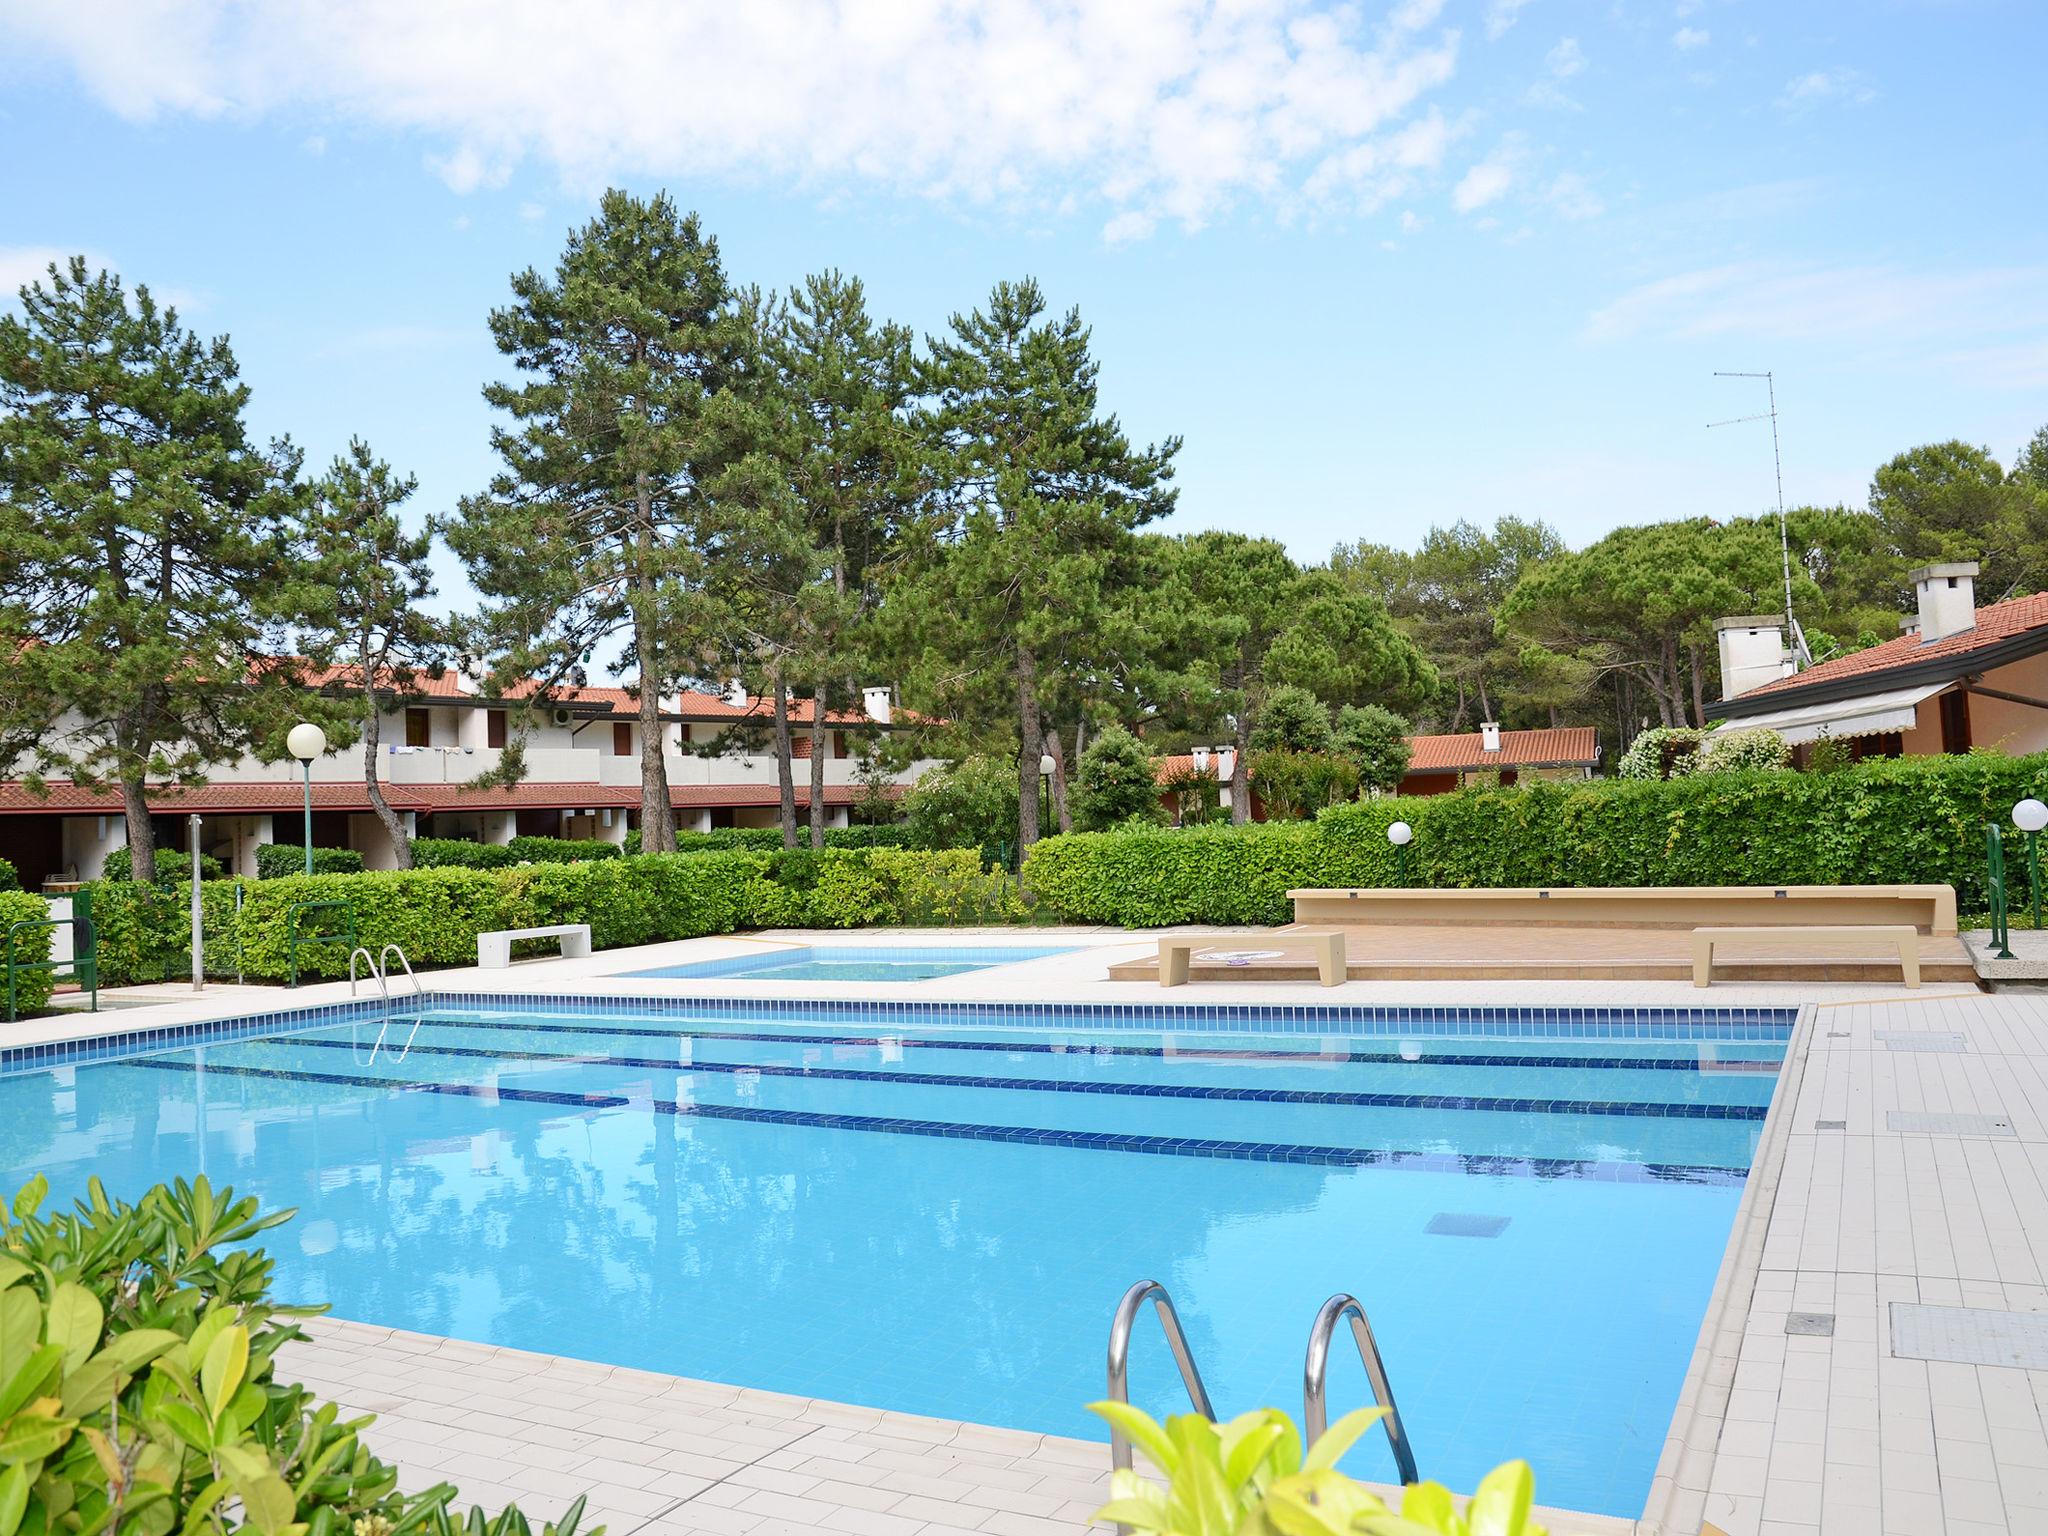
<point>1870,715</point>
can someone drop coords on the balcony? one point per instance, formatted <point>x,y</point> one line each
<point>454,765</point>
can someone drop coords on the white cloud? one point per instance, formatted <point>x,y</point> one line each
<point>1487,182</point>
<point>532,213</point>
<point>1410,221</point>
<point>1174,109</point>
<point>1822,87</point>
<point>314,143</point>
<point>21,265</point>
<point>1566,59</point>
<point>1685,39</point>
<point>1500,16</point>
<point>1573,197</point>
<point>1780,300</point>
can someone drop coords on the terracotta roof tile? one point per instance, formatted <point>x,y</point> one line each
<point>1562,746</point>
<point>1995,622</point>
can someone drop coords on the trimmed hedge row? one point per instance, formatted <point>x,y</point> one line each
<point>436,914</point>
<point>1904,820</point>
<point>769,839</point>
<point>457,853</point>
<point>278,861</point>
<point>32,988</point>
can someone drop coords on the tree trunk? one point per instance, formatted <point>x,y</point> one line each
<point>1241,772</point>
<point>785,767</point>
<point>1062,817</point>
<point>1485,703</point>
<point>394,825</point>
<point>1030,747</point>
<point>820,745</point>
<point>657,816</point>
<point>141,835</point>
<point>1699,690</point>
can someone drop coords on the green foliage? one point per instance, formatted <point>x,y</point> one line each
<point>769,840</point>
<point>459,853</point>
<point>1733,751</point>
<point>1291,784</point>
<point>946,888</point>
<point>1662,752</point>
<point>1295,720</point>
<point>1883,821</point>
<point>969,804</point>
<point>1250,1477</point>
<point>10,878</point>
<point>1114,781</point>
<point>276,860</point>
<point>31,988</point>
<point>559,850</point>
<point>172,866</point>
<point>1197,794</point>
<point>142,1397</point>
<point>1828,754</point>
<point>1376,742</point>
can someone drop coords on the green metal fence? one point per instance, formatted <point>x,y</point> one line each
<point>82,967</point>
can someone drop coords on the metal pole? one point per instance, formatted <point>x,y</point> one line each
<point>1401,864</point>
<point>198,923</point>
<point>309,815</point>
<point>2034,874</point>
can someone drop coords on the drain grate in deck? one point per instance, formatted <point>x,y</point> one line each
<point>1455,1224</point>
<point>1811,1325</point>
<point>1913,1120</point>
<point>1920,1040</point>
<point>1831,1125</point>
<point>1970,1335</point>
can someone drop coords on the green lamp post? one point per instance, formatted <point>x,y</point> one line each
<point>2030,816</point>
<point>306,742</point>
<point>1400,834</point>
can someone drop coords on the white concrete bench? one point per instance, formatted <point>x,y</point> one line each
<point>1176,955</point>
<point>1903,937</point>
<point>494,950</point>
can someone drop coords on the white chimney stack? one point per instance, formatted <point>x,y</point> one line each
<point>1200,757</point>
<point>879,704</point>
<point>1752,652</point>
<point>1489,736</point>
<point>736,694</point>
<point>1947,597</point>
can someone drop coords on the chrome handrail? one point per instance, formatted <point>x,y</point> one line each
<point>1120,1359</point>
<point>376,972</point>
<point>393,949</point>
<point>1315,1412</point>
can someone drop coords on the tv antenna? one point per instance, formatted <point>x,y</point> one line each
<point>1778,466</point>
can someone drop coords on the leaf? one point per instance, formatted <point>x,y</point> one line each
<point>186,1422</point>
<point>1325,1503</point>
<point>1501,1506</point>
<point>93,1385</point>
<point>21,1328</point>
<point>1142,1430</point>
<point>220,1374</point>
<point>14,1488</point>
<point>30,1196</point>
<point>265,1498</point>
<point>1431,1505</point>
<point>1244,1451</point>
<point>32,1436</point>
<point>1331,1445</point>
<point>12,1271</point>
<point>31,1380</point>
<point>73,1321</point>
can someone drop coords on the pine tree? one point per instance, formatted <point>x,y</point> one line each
<point>592,531</point>
<point>140,525</point>
<point>362,624</point>
<point>1041,496</point>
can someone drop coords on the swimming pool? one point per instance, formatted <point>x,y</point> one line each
<point>855,962</point>
<point>933,1208</point>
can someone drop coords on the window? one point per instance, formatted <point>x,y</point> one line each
<point>622,740</point>
<point>494,728</point>
<point>417,728</point>
<point>1955,722</point>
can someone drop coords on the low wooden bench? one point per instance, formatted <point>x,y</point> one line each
<point>494,950</point>
<point>1177,955</point>
<point>1903,937</point>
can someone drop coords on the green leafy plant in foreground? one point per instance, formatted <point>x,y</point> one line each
<point>1250,1477</point>
<point>137,1393</point>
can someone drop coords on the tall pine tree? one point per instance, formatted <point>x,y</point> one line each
<point>140,526</point>
<point>591,534</point>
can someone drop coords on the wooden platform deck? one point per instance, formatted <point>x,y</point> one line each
<point>1552,952</point>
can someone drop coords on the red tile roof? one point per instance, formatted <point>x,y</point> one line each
<point>1570,746</point>
<point>1995,622</point>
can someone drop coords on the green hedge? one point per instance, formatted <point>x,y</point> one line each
<point>435,914</point>
<point>173,866</point>
<point>769,839</point>
<point>32,988</point>
<point>276,861</point>
<point>1900,821</point>
<point>560,850</point>
<point>459,853</point>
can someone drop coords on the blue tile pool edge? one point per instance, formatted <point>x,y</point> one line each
<point>1619,1022</point>
<point>738,967</point>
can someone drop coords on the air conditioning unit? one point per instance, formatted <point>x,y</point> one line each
<point>562,717</point>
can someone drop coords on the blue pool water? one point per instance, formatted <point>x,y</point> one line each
<point>854,962</point>
<point>935,1210</point>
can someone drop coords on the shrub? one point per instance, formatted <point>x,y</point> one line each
<point>274,861</point>
<point>1376,742</point>
<point>769,839</point>
<point>173,866</point>
<point>10,878</point>
<point>1196,795</point>
<point>32,989</point>
<point>459,853</point>
<point>1114,781</point>
<point>1663,752</point>
<point>143,1399</point>
<point>971,804</point>
<point>1904,820</point>
<point>944,887</point>
<point>1301,783</point>
<point>1733,751</point>
<point>1293,719</point>
<point>560,850</point>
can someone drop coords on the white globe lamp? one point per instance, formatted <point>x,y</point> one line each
<point>1400,834</point>
<point>307,741</point>
<point>2030,816</point>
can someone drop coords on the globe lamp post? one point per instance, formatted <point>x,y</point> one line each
<point>306,742</point>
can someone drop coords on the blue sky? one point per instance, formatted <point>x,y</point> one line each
<point>1382,266</point>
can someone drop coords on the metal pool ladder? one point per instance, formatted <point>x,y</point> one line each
<point>1120,1359</point>
<point>378,966</point>
<point>1315,1411</point>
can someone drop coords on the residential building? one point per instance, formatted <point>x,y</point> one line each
<point>1959,676</point>
<point>580,778</point>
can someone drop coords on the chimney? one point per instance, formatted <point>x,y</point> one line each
<point>1199,756</point>
<point>879,704</point>
<point>1752,652</point>
<point>736,694</point>
<point>1489,736</point>
<point>1947,597</point>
